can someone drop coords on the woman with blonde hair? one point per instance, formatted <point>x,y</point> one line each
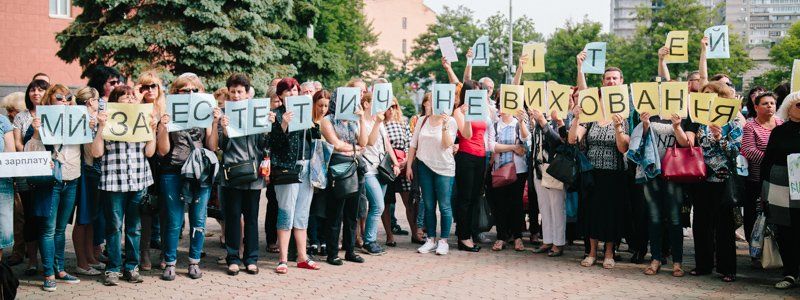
<point>13,104</point>
<point>400,137</point>
<point>55,203</point>
<point>87,209</point>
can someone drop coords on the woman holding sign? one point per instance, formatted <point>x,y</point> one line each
<point>470,171</point>
<point>241,185</point>
<point>781,165</point>
<point>550,197</point>
<point>713,222</point>
<point>399,136</point>
<point>510,136</point>
<point>125,178</point>
<point>56,202</point>
<point>606,141</point>
<point>175,150</point>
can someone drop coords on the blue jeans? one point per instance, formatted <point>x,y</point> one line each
<point>119,207</point>
<point>53,238</point>
<point>664,200</point>
<point>375,192</point>
<point>6,213</point>
<point>92,177</point>
<point>436,189</point>
<point>294,202</point>
<point>174,189</point>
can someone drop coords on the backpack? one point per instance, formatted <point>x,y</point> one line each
<point>8,282</point>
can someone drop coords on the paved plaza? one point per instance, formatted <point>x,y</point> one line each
<point>404,274</point>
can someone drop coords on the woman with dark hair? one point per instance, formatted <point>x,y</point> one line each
<point>470,170</point>
<point>104,79</point>
<point>713,222</point>
<point>784,212</point>
<point>22,122</point>
<point>416,193</point>
<point>55,203</point>
<point>781,92</point>
<point>751,98</point>
<point>124,183</point>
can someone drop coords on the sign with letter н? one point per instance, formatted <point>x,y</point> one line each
<point>23,164</point>
<point>511,98</point>
<point>477,105</point>
<point>444,96</point>
<point>190,110</point>
<point>480,52</point>
<point>674,97</point>
<point>678,44</point>
<point>301,106</point>
<point>595,62</point>
<point>128,122</point>
<point>382,96</point>
<point>64,124</point>
<point>247,117</point>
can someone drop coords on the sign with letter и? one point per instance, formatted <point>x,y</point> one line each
<point>444,96</point>
<point>64,124</point>
<point>247,117</point>
<point>23,164</point>
<point>128,122</point>
<point>477,110</point>
<point>718,43</point>
<point>348,99</point>
<point>301,107</point>
<point>480,52</point>
<point>535,95</point>
<point>595,62</point>
<point>678,44</point>
<point>190,110</point>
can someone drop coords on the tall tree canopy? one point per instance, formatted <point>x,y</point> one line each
<point>782,55</point>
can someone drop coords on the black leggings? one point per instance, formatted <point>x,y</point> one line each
<point>713,229</point>
<point>470,171</point>
<point>271,218</point>
<point>30,230</point>
<point>510,216</point>
<point>752,190</point>
<point>340,210</point>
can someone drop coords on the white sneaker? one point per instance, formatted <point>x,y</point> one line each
<point>442,247</point>
<point>429,245</point>
<point>88,272</point>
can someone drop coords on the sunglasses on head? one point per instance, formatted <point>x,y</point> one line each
<point>187,91</point>
<point>60,97</point>
<point>146,87</point>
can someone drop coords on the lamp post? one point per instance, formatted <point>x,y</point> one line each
<point>509,71</point>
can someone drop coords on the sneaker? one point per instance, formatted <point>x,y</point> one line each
<point>49,285</point>
<point>194,271</point>
<point>68,279</point>
<point>111,278</point>
<point>87,272</point>
<point>98,266</point>
<point>222,260</point>
<point>133,276</point>
<point>442,247</point>
<point>429,246</point>
<point>169,273</point>
<point>373,249</point>
<point>102,258</point>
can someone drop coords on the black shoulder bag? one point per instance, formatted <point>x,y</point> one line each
<point>385,166</point>
<point>289,176</point>
<point>240,173</point>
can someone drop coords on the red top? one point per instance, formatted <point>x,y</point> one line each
<point>475,145</point>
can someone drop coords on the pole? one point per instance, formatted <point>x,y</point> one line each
<point>509,77</point>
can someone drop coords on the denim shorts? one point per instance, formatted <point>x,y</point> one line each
<point>294,202</point>
<point>6,213</point>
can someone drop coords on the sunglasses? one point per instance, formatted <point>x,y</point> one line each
<point>394,106</point>
<point>113,82</point>
<point>60,97</point>
<point>147,87</point>
<point>187,91</point>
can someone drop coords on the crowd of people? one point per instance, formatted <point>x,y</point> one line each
<point>132,197</point>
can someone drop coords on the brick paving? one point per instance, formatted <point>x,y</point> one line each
<point>403,273</point>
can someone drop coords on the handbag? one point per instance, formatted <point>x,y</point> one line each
<point>563,168</point>
<point>45,181</point>
<point>344,175</point>
<point>684,165</point>
<point>401,159</point>
<point>9,283</point>
<point>318,166</point>
<point>757,236</point>
<point>770,258</point>
<point>281,175</point>
<point>149,205</point>
<point>241,173</point>
<point>505,175</point>
<point>484,220</point>
<point>548,181</point>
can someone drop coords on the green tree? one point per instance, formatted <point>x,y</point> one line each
<point>640,54</point>
<point>782,55</point>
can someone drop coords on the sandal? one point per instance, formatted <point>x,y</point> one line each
<point>609,263</point>
<point>251,269</point>
<point>728,278</point>
<point>543,249</point>
<point>518,246</point>
<point>308,264</point>
<point>233,269</point>
<point>282,268</point>
<point>558,253</point>
<point>653,268</point>
<point>499,245</point>
<point>588,261</point>
<point>677,271</point>
<point>787,283</point>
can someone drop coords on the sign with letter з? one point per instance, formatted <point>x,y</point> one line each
<point>128,122</point>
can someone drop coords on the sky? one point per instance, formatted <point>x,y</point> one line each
<point>547,15</point>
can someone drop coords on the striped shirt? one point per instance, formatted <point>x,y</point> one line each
<point>125,168</point>
<point>754,143</point>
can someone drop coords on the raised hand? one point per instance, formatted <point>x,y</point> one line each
<point>645,116</point>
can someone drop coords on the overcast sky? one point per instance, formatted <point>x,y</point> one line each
<point>546,14</point>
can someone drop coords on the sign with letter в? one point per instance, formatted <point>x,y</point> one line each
<point>511,98</point>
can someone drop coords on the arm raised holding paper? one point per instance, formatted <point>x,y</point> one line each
<point>212,138</point>
<point>576,130</point>
<point>468,67</point>
<point>451,76</point>
<point>518,74</point>
<point>663,69</point>
<point>98,145</point>
<point>703,62</point>
<point>581,79</point>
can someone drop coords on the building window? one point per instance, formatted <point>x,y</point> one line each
<point>404,46</point>
<point>60,8</point>
<point>405,23</point>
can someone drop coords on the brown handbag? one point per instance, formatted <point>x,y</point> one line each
<point>684,165</point>
<point>504,175</point>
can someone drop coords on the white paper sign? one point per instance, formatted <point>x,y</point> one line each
<point>480,52</point>
<point>23,164</point>
<point>793,164</point>
<point>448,49</point>
<point>718,42</point>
